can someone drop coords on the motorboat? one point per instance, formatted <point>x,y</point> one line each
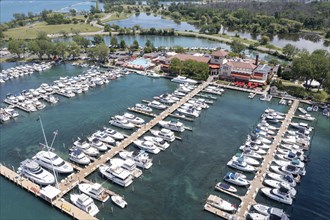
<point>191,112</point>
<point>128,164</point>
<point>85,203</point>
<point>294,162</point>
<point>219,203</point>
<point>292,154</point>
<point>264,123</point>
<point>236,179</point>
<point>247,159</point>
<point>141,158</point>
<point>50,161</point>
<point>240,164</point>
<point>288,170</point>
<point>253,148</point>
<point>301,125</point>
<point>307,117</point>
<point>281,195</point>
<point>270,212</point>
<point>289,179</point>
<point>142,107</point>
<point>251,153</point>
<point>121,122</point>
<point>95,190</point>
<point>96,143</point>
<point>302,110</point>
<point>182,79</point>
<point>133,119</point>
<point>103,136</point>
<point>34,172</point>
<point>157,105</point>
<point>116,174</point>
<point>118,200</point>
<point>86,148</point>
<point>114,134</point>
<point>78,156</point>
<point>266,129</point>
<point>257,216</point>
<point>164,133</point>
<point>278,184</point>
<point>158,141</point>
<point>148,146</point>
<point>224,186</point>
<point>172,125</point>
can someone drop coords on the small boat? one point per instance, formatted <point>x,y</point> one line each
<point>252,95</point>
<point>309,108</point>
<point>158,141</point>
<point>172,125</point>
<point>278,184</point>
<point>270,212</point>
<point>219,203</point>
<point>248,160</point>
<point>281,195</point>
<point>85,203</point>
<point>288,170</point>
<point>148,146</point>
<point>121,122</point>
<point>315,108</point>
<point>257,216</point>
<point>164,133</point>
<point>182,79</point>
<point>78,156</point>
<point>133,119</point>
<point>142,107</point>
<point>326,112</point>
<point>289,179</point>
<point>157,105</point>
<point>95,190</point>
<point>240,164</point>
<point>307,117</point>
<point>224,186</point>
<point>118,200</point>
<point>236,179</point>
<point>302,110</point>
<point>114,134</point>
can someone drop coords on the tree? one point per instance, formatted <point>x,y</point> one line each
<point>237,47</point>
<point>60,49</point>
<point>302,67</point>
<point>40,47</point>
<point>264,40</point>
<point>179,49</point>
<point>73,12</point>
<point>42,36</point>
<point>98,39</point>
<point>100,52</point>
<point>73,49</point>
<point>81,41</point>
<point>321,61</point>
<point>122,44</point>
<point>17,47</point>
<point>290,51</point>
<point>114,42</point>
<point>175,67</point>
<point>135,45</point>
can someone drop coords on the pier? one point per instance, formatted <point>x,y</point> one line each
<point>249,198</point>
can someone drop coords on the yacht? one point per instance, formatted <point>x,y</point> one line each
<point>302,110</point>
<point>182,79</point>
<point>281,195</point>
<point>164,133</point>
<point>141,158</point>
<point>31,170</point>
<point>104,137</point>
<point>236,179</point>
<point>114,134</point>
<point>86,148</point>
<point>157,105</point>
<point>219,203</point>
<point>121,122</point>
<point>307,117</point>
<point>224,186</point>
<point>283,178</point>
<point>251,153</point>
<point>270,211</point>
<point>133,119</point>
<point>116,174</point>
<point>277,184</point>
<point>248,160</point>
<point>95,190</point>
<point>78,156</point>
<point>240,164</point>
<point>50,161</point>
<point>288,170</point>
<point>189,112</point>
<point>96,143</point>
<point>118,200</point>
<point>142,107</point>
<point>128,164</point>
<point>171,125</point>
<point>85,203</point>
<point>159,142</point>
<point>147,146</point>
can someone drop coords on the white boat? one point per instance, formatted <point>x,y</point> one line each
<point>128,164</point>
<point>121,122</point>
<point>224,186</point>
<point>289,179</point>
<point>251,153</point>
<point>116,174</point>
<point>278,184</point>
<point>257,216</point>
<point>182,79</point>
<point>281,195</point>
<point>172,125</point>
<point>302,110</point>
<point>78,156</point>
<point>103,136</point>
<point>159,142</point>
<point>247,159</point>
<point>141,158</point>
<point>157,105</point>
<point>50,161</point>
<point>189,112</point>
<point>142,107</point>
<point>219,203</point>
<point>164,133</point>
<point>96,143</point>
<point>270,212</point>
<point>288,170</point>
<point>236,179</point>
<point>307,117</point>
<point>85,203</point>
<point>95,190</point>
<point>34,172</point>
<point>114,134</point>
<point>86,148</point>
<point>118,200</point>
<point>148,146</point>
<point>240,164</point>
<point>133,119</point>
<point>252,95</point>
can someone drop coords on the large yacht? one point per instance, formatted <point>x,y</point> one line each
<point>78,156</point>
<point>96,191</point>
<point>116,174</point>
<point>219,203</point>
<point>148,146</point>
<point>174,126</point>
<point>31,170</point>
<point>51,161</point>
<point>85,203</point>
<point>133,119</point>
<point>164,133</point>
<point>121,122</point>
<point>127,164</point>
<point>182,79</point>
<point>158,141</point>
<point>141,158</point>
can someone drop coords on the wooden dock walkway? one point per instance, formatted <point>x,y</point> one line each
<point>142,112</point>
<point>249,198</point>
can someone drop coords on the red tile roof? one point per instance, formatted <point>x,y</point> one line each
<point>241,65</point>
<point>184,57</point>
<point>220,53</point>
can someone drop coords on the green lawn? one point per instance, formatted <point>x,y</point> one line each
<point>117,16</point>
<point>31,31</point>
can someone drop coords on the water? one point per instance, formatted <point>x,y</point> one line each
<point>9,7</point>
<point>153,21</point>
<point>181,177</point>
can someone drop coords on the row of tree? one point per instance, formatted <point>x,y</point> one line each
<point>189,68</point>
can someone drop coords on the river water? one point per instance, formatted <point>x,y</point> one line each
<point>181,177</point>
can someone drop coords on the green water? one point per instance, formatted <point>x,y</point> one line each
<point>181,177</point>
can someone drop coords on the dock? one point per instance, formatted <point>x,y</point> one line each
<point>249,198</point>
<point>181,117</point>
<point>142,112</point>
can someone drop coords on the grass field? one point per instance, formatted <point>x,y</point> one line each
<point>31,31</point>
<point>117,16</point>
